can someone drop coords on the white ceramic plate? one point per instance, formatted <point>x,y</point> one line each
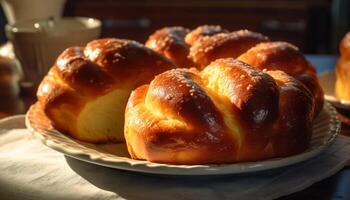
<point>325,129</point>
<point>327,81</point>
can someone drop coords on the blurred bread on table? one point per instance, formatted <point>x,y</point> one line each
<point>342,85</point>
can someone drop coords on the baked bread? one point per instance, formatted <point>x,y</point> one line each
<point>170,42</point>
<point>202,45</point>
<point>286,57</point>
<point>206,43</point>
<point>342,85</point>
<point>85,93</point>
<point>228,112</point>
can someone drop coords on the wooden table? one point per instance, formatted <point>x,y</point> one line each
<point>334,187</point>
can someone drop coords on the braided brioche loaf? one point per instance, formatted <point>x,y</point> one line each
<point>251,99</point>
<point>342,85</point>
<point>86,91</point>
<point>228,112</point>
<point>199,47</point>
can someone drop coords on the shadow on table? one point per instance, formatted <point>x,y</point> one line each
<point>133,185</point>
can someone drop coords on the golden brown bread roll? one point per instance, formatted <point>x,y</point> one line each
<point>286,57</point>
<point>86,91</point>
<point>170,42</point>
<point>342,85</point>
<point>202,31</point>
<point>202,45</point>
<point>208,43</point>
<point>229,112</point>
<point>223,45</point>
<point>175,42</point>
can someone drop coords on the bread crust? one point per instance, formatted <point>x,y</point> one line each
<point>208,43</point>
<point>83,74</point>
<point>228,112</point>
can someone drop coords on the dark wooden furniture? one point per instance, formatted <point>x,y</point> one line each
<point>304,23</point>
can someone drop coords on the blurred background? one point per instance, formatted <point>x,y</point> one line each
<point>315,26</point>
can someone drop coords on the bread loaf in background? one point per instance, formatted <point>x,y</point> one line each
<point>342,84</point>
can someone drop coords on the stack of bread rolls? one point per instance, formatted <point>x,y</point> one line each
<point>198,96</point>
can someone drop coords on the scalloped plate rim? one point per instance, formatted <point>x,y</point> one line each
<point>129,164</point>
